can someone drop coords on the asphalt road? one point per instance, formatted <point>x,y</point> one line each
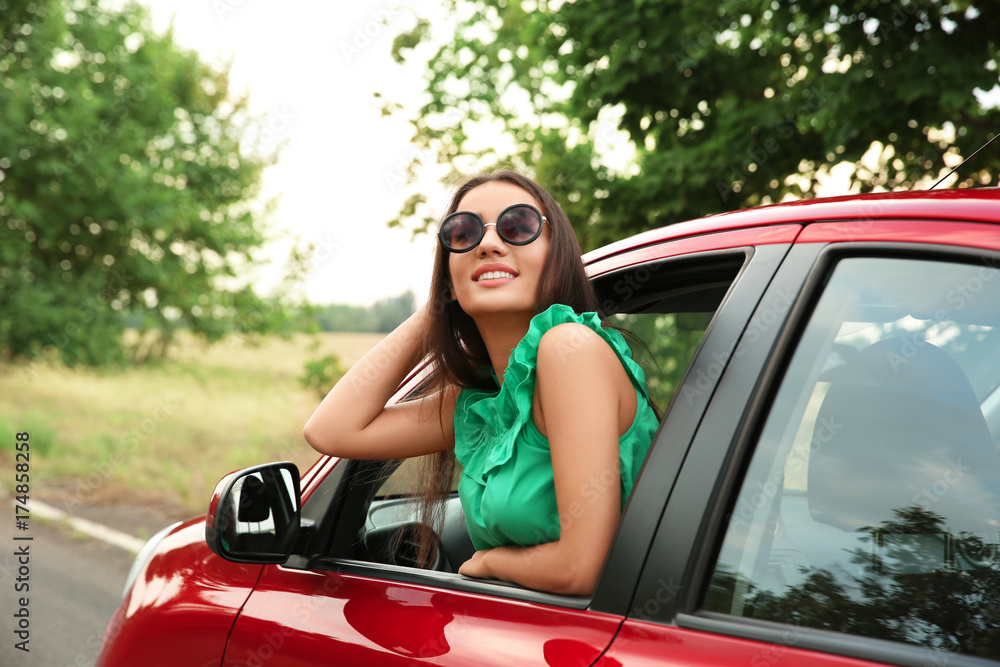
<point>75,586</point>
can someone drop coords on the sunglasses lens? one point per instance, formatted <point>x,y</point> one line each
<point>519,225</point>
<point>461,231</point>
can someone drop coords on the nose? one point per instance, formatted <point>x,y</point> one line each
<point>491,243</point>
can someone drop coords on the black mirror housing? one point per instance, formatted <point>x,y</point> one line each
<point>255,514</point>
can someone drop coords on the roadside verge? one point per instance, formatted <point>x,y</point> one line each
<point>87,527</point>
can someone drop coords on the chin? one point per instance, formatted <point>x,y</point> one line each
<point>481,307</point>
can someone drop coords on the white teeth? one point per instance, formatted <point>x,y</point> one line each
<point>495,275</point>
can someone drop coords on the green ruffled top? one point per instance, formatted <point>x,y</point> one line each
<point>506,487</point>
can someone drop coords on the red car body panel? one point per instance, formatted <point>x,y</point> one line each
<point>640,643</point>
<point>364,621</point>
<point>972,235</point>
<point>182,606</point>
<point>969,205</point>
<point>755,236</point>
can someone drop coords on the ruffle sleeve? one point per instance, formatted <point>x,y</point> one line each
<point>488,423</point>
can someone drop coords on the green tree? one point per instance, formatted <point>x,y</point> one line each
<point>321,374</point>
<point>919,584</point>
<point>726,104</point>
<point>382,316</point>
<point>128,181</point>
<point>344,317</point>
<point>390,313</point>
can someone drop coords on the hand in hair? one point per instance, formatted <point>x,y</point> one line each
<point>353,420</point>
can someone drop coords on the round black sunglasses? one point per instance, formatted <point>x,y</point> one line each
<point>519,224</point>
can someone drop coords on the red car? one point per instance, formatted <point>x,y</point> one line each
<point>824,488</point>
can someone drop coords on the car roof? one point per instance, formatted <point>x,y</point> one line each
<point>962,204</point>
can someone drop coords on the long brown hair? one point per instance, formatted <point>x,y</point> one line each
<point>456,348</point>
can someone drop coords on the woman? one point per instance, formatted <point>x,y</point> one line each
<point>543,408</point>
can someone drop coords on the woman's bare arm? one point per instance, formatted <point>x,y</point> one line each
<point>353,420</point>
<point>582,390</point>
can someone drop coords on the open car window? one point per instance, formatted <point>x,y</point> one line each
<point>667,306</point>
<point>404,479</point>
<point>665,313</point>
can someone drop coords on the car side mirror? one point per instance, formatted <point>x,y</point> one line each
<point>255,514</point>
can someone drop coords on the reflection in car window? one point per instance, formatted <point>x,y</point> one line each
<point>871,505</point>
<point>664,345</point>
<point>404,480</point>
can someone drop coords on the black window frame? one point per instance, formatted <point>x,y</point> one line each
<point>658,474</point>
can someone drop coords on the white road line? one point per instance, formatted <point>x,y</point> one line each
<point>89,528</point>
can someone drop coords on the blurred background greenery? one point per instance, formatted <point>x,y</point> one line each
<point>723,105</point>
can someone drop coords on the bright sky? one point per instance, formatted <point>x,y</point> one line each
<point>311,68</point>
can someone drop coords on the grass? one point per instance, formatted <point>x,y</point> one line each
<point>166,432</point>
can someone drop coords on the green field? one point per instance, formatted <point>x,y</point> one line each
<point>167,432</point>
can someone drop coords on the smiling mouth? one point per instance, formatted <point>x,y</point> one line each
<point>496,275</point>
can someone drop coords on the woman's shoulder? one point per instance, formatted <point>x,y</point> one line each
<point>487,422</point>
<point>572,342</point>
<point>568,338</point>
<point>562,332</point>
<point>573,356</point>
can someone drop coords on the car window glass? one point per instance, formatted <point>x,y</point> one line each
<point>871,504</point>
<point>663,345</point>
<point>404,480</point>
<point>667,306</point>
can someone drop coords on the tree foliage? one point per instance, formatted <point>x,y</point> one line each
<point>724,104</point>
<point>127,187</point>
<point>321,374</point>
<point>382,316</point>
<point>918,584</point>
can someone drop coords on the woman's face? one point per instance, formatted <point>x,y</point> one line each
<point>496,278</point>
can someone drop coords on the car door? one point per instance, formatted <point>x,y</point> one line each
<point>839,502</point>
<point>679,294</point>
